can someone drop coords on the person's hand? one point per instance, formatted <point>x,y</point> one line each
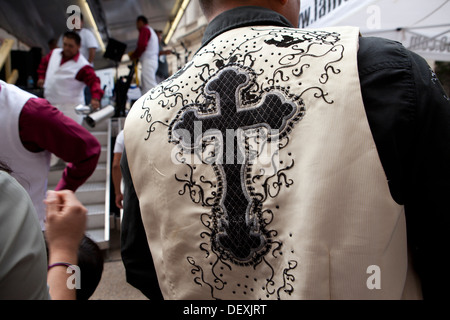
<point>119,199</point>
<point>166,52</point>
<point>40,83</point>
<point>66,221</point>
<point>65,227</point>
<point>95,103</point>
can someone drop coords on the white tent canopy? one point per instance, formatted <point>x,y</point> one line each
<point>423,26</point>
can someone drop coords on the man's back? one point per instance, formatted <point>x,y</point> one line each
<point>261,179</point>
<point>338,181</point>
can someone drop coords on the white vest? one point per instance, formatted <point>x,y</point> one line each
<point>152,50</point>
<point>60,86</point>
<point>307,214</point>
<point>29,168</point>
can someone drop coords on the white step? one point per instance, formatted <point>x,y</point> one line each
<point>103,155</point>
<point>99,174</point>
<point>95,216</point>
<point>101,136</point>
<point>99,236</point>
<point>91,192</point>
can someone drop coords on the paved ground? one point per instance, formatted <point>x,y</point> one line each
<point>113,285</point>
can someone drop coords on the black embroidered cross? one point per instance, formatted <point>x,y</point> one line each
<point>238,234</point>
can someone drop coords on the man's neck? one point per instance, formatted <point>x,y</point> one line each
<point>66,58</point>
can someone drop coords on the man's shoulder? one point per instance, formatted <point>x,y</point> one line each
<point>379,53</point>
<point>145,29</point>
<point>54,52</point>
<point>88,36</point>
<point>83,62</point>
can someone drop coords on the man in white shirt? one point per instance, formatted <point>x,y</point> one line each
<point>89,44</point>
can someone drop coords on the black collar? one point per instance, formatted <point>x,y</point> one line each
<point>243,17</point>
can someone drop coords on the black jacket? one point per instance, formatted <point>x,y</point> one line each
<point>409,116</point>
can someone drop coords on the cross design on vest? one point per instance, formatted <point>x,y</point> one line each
<point>239,233</point>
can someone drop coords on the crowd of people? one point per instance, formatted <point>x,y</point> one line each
<point>358,177</point>
<point>39,130</point>
<point>46,234</point>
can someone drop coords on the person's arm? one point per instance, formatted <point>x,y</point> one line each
<point>43,127</point>
<point>117,178</point>
<point>88,38</point>
<point>165,52</point>
<point>65,227</point>
<point>42,69</point>
<point>116,173</point>
<point>23,257</point>
<point>409,116</point>
<point>137,258</point>
<point>91,54</point>
<point>144,38</point>
<point>88,76</point>
<point>428,181</point>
